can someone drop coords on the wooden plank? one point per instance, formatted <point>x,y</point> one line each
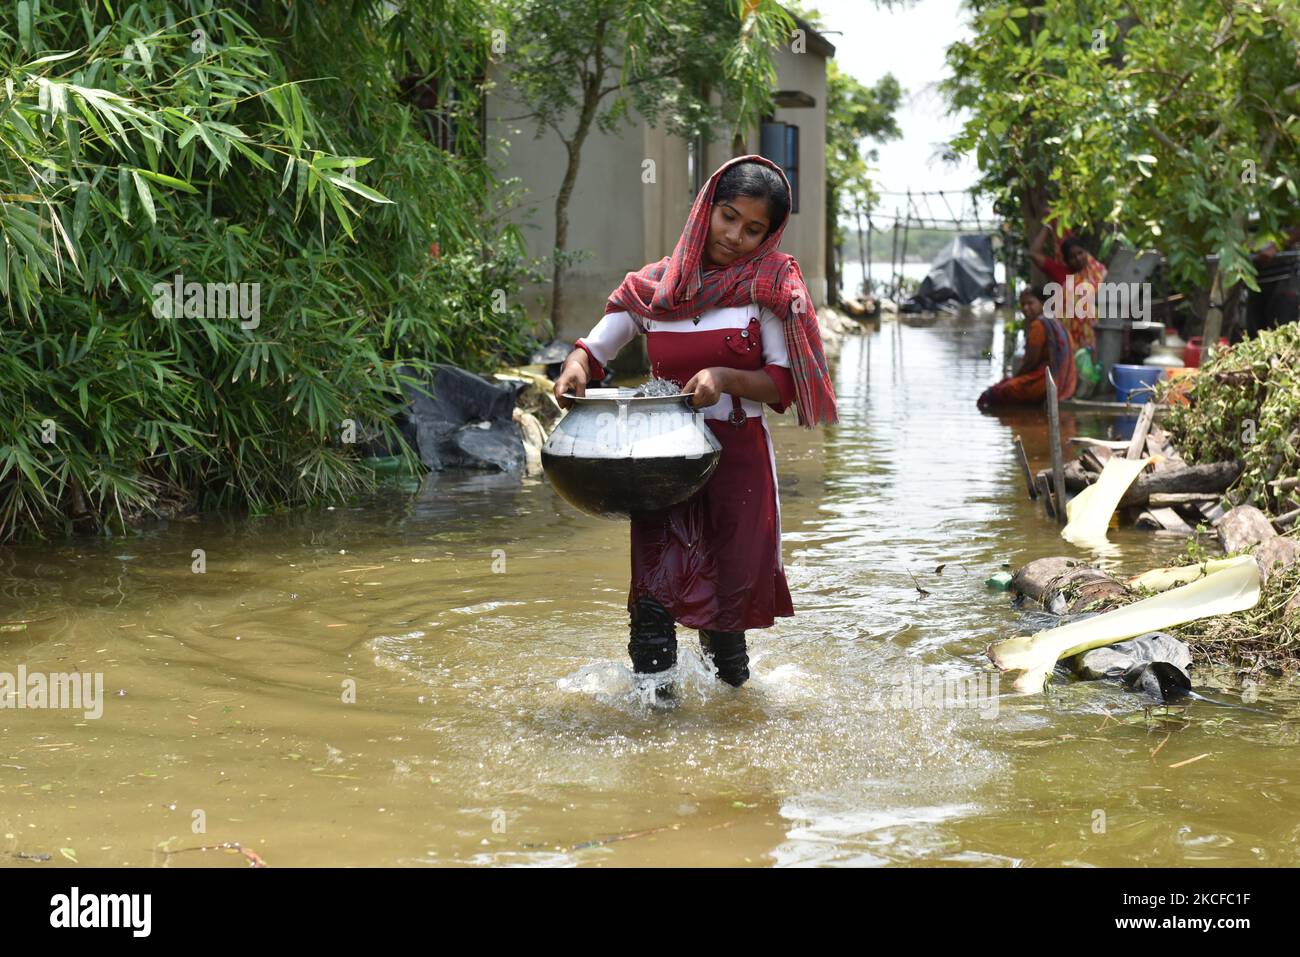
<point>1211,512</point>
<point>1024,465</point>
<point>1077,478</point>
<point>1164,499</point>
<point>1104,408</point>
<point>1163,519</point>
<point>1288,518</point>
<point>1214,477</point>
<point>1139,441</point>
<point>1094,460</point>
<point>1054,430</point>
<point>1045,493</point>
<point>1112,445</point>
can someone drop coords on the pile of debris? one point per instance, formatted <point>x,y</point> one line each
<point>1244,405</point>
<point>1169,495</point>
<point>1261,636</point>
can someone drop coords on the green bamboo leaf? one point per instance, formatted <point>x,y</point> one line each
<point>313,177</point>
<point>231,131</point>
<point>25,24</point>
<point>27,466</point>
<point>51,58</point>
<point>295,101</point>
<point>163,179</point>
<point>340,162</point>
<point>102,102</point>
<point>24,128</point>
<point>80,209</point>
<point>72,134</point>
<point>336,201</point>
<point>146,197</point>
<point>215,145</point>
<point>348,183</point>
<point>93,122</point>
<point>251,154</point>
<point>301,187</point>
<point>124,192</point>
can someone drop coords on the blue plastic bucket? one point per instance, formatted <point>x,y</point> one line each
<point>1134,383</point>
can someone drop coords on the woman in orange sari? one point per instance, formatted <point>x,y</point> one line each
<point>1047,346</point>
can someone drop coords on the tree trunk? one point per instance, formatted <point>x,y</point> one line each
<point>1033,208</point>
<point>1033,200</point>
<point>591,83</point>
<point>1215,477</point>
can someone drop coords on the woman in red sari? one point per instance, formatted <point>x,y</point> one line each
<point>1047,346</point>
<point>1079,274</point>
<point>729,318</point>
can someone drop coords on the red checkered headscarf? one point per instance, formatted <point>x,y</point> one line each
<point>680,287</point>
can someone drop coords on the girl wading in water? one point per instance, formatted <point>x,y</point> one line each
<point>728,316</point>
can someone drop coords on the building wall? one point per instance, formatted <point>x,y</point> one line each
<point>805,237</point>
<point>625,221</point>
<point>606,210</point>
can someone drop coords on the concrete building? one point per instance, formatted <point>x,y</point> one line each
<point>624,223</point>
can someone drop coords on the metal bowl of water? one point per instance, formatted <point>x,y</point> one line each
<point>617,452</point>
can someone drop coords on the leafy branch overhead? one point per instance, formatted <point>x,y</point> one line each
<point>1162,125</point>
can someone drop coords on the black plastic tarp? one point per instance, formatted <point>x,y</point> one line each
<point>959,276</point>
<point>467,421</point>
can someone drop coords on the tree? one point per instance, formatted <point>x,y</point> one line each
<point>1161,125</point>
<point>576,65</point>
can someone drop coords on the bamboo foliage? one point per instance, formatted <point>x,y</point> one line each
<point>148,146</point>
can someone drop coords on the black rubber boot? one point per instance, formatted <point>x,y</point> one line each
<point>654,640</point>
<point>728,653</point>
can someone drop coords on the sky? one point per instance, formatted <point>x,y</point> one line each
<point>910,44</point>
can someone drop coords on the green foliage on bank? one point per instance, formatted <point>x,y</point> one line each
<point>269,149</point>
<point>1244,406</point>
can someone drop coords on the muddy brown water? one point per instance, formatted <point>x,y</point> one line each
<point>480,626</point>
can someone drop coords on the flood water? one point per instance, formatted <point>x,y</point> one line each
<point>440,678</point>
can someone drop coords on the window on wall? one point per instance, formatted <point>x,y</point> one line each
<point>779,142</point>
<point>695,163</point>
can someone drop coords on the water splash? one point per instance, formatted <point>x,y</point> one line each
<point>657,387</point>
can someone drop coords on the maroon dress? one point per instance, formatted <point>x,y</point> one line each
<point>714,561</point>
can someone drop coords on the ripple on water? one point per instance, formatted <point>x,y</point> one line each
<point>483,696</point>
